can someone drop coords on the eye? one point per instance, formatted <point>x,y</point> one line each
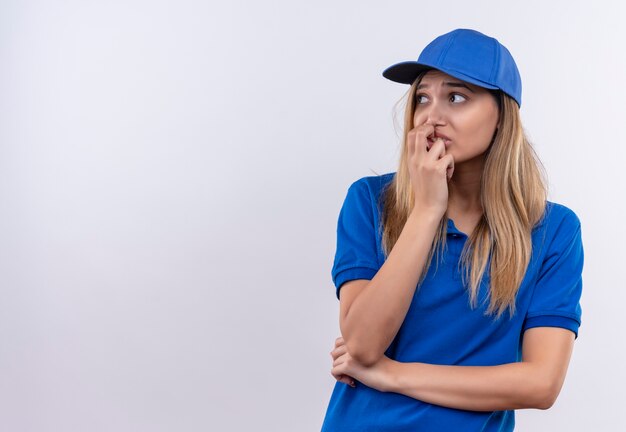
<point>463,98</point>
<point>417,98</point>
<point>459,98</point>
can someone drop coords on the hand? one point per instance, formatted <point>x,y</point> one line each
<point>346,369</point>
<point>429,168</point>
<point>340,349</point>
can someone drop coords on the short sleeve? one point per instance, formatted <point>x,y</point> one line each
<point>556,297</point>
<point>356,252</point>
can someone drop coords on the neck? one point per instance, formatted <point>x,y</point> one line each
<point>464,188</point>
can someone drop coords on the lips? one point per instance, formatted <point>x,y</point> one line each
<point>431,139</point>
<point>440,135</point>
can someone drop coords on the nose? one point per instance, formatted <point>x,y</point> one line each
<point>433,114</point>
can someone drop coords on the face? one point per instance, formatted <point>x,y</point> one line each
<point>464,114</point>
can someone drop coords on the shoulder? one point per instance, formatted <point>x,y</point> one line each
<point>365,196</point>
<point>559,229</point>
<point>558,217</point>
<point>371,186</point>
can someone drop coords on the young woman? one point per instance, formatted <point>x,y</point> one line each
<point>459,282</point>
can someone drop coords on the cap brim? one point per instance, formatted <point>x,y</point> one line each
<point>406,72</point>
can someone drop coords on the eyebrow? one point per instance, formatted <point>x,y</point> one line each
<point>448,84</point>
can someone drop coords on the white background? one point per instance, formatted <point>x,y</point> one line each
<point>171,174</point>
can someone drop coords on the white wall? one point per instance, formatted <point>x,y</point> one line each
<point>171,174</point>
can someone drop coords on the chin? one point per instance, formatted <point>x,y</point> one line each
<point>464,157</point>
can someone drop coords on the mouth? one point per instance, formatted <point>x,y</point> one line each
<point>433,137</point>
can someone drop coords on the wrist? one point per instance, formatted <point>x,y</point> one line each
<point>427,215</point>
<point>403,376</point>
<point>424,220</point>
<point>393,374</point>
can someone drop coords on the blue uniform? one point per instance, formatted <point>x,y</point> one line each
<point>440,326</point>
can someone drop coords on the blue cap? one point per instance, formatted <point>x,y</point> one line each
<point>467,55</point>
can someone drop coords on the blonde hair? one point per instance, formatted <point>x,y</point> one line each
<point>513,196</point>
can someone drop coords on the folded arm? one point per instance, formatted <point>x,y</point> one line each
<point>535,382</point>
<point>371,312</point>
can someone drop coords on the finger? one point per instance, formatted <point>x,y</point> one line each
<point>340,376</point>
<point>346,379</point>
<point>339,360</point>
<point>446,164</point>
<point>417,140</point>
<point>450,168</point>
<point>340,350</point>
<point>410,142</point>
<point>339,341</point>
<point>423,132</point>
<point>437,149</point>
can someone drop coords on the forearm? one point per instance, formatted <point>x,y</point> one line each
<point>475,388</point>
<point>377,313</point>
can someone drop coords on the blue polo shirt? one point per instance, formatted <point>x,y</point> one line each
<point>440,326</point>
